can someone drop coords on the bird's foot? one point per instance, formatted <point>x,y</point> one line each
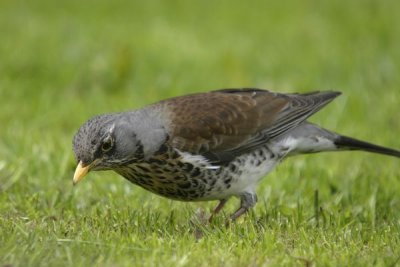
<point>247,201</point>
<point>217,209</point>
<point>238,213</point>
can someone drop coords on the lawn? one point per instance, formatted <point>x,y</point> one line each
<point>63,62</point>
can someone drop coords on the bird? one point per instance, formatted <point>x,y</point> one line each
<point>209,146</point>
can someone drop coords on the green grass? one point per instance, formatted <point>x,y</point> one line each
<point>63,62</point>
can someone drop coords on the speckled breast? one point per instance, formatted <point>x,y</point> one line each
<point>171,177</point>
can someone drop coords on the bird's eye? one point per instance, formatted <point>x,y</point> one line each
<point>107,144</point>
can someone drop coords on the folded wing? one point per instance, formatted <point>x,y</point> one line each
<point>224,124</point>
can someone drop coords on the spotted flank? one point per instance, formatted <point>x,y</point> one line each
<point>192,178</point>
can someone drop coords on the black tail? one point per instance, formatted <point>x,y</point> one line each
<point>349,143</point>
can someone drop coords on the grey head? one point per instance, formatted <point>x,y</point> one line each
<point>109,141</point>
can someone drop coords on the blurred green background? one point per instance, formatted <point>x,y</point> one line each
<point>63,62</point>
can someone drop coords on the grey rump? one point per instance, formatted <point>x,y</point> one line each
<point>209,146</point>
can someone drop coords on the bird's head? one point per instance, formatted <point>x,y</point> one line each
<point>104,143</point>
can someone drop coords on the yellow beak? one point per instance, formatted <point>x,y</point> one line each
<point>80,172</point>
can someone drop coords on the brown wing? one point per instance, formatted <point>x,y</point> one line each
<point>226,123</point>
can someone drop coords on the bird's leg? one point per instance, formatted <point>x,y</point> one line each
<point>218,208</point>
<point>247,201</point>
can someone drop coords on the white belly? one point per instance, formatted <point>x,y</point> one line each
<point>250,169</point>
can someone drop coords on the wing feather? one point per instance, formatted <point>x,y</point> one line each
<point>224,124</point>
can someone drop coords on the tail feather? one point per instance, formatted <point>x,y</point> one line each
<point>348,143</point>
<point>310,138</point>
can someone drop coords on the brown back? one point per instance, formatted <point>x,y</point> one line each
<point>226,123</point>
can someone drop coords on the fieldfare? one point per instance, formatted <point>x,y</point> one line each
<point>209,146</point>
